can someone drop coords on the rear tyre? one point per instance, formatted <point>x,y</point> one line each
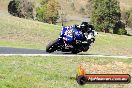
<point>85,48</point>
<point>51,47</point>
<point>74,51</point>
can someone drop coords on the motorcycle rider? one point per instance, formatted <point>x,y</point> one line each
<point>77,31</point>
<point>85,28</point>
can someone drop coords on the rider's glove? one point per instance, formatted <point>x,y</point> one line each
<point>78,41</point>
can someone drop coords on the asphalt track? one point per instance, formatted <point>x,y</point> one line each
<point>8,51</point>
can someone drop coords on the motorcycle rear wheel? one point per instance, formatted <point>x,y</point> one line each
<point>74,51</point>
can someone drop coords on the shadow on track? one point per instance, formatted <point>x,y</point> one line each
<point>9,50</point>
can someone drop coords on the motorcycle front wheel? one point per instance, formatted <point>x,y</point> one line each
<point>51,47</point>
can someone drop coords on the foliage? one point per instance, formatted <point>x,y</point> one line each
<point>119,28</point>
<point>122,31</point>
<point>41,11</point>
<point>21,8</point>
<point>52,11</point>
<point>130,20</point>
<point>13,8</point>
<point>48,11</point>
<point>125,15</point>
<point>105,13</point>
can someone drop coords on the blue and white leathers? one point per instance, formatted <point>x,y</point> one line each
<point>70,33</point>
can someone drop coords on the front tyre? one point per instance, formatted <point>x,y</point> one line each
<point>51,47</point>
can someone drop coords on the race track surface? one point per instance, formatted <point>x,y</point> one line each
<point>8,51</point>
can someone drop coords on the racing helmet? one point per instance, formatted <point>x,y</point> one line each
<point>84,26</point>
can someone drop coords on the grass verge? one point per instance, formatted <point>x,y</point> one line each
<point>57,72</point>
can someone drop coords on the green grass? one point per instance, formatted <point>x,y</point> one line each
<point>52,72</point>
<point>111,44</point>
<point>23,33</point>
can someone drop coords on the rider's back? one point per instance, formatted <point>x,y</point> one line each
<point>70,33</point>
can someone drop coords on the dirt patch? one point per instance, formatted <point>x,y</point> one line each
<point>110,68</point>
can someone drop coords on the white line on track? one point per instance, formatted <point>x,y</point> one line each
<point>68,55</point>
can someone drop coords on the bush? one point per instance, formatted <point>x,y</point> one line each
<point>21,8</point>
<point>130,20</point>
<point>122,32</point>
<point>40,14</point>
<point>105,13</point>
<point>119,28</point>
<point>13,8</point>
<point>125,15</point>
<point>48,12</point>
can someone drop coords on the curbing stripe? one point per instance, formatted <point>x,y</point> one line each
<point>69,55</point>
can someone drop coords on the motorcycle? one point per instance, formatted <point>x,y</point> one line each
<point>72,40</point>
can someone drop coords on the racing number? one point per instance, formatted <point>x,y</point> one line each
<point>68,33</point>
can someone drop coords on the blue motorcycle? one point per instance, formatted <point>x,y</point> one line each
<point>72,40</point>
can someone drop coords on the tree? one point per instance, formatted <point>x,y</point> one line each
<point>41,13</point>
<point>26,9</point>
<point>13,8</point>
<point>119,28</point>
<point>21,8</point>
<point>105,13</point>
<point>125,16</point>
<point>48,11</point>
<point>130,20</point>
<point>52,13</point>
